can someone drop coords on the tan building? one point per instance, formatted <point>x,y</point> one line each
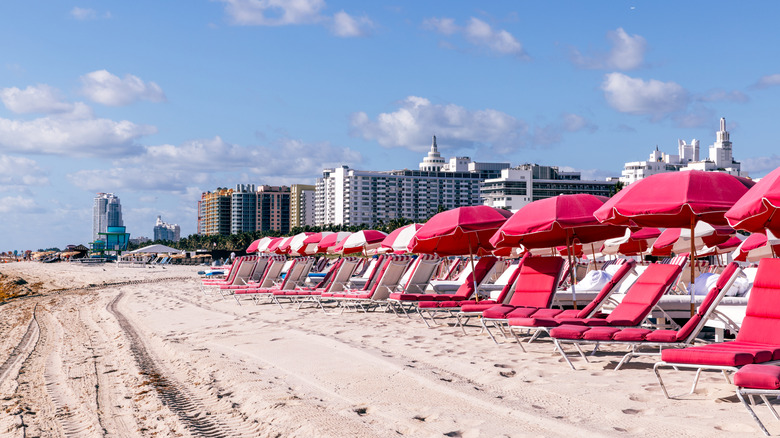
<point>214,212</point>
<point>302,205</point>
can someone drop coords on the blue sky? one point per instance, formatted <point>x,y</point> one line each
<point>160,101</point>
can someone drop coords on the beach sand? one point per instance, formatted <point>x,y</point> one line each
<point>143,352</point>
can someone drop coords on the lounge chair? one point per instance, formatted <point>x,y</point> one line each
<point>270,277</point>
<point>241,271</point>
<point>758,380</point>
<point>295,276</point>
<point>337,280</point>
<point>482,270</point>
<point>758,340</point>
<point>638,338</point>
<point>506,282</point>
<point>543,319</point>
<point>382,285</point>
<point>535,288</point>
<point>419,274</point>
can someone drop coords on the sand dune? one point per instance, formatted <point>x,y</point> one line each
<point>143,352</point>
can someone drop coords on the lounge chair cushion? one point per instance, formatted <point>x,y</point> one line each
<point>732,353</point>
<point>497,311</point>
<point>631,334</point>
<point>533,321</point>
<point>600,333</point>
<point>758,377</point>
<point>567,331</point>
<point>522,312</point>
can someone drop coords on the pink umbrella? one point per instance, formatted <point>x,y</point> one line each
<point>265,244</point>
<point>634,242</point>
<point>360,242</point>
<point>560,220</point>
<point>298,245</point>
<point>277,246</point>
<point>460,231</point>
<point>674,240</point>
<point>253,246</point>
<point>330,240</point>
<point>756,247</point>
<point>755,211</point>
<point>398,240</point>
<point>677,200</point>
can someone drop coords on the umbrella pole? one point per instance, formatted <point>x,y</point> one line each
<point>473,274</point>
<point>693,249</point>
<point>571,273</point>
<point>593,254</point>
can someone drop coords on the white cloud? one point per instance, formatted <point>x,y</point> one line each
<point>759,166</point>
<point>103,87</point>
<point>768,81</point>
<point>637,96</point>
<point>73,134</point>
<point>19,204</point>
<point>499,41</point>
<point>417,119</point>
<point>627,53</point>
<point>34,99</point>
<point>273,12</point>
<point>480,34</point>
<point>345,25</point>
<point>175,168</point>
<point>444,26</point>
<point>553,132</point>
<point>21,171</point>
<point>85,14</point>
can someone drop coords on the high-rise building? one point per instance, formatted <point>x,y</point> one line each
<point>243,209</point>
<point>273,209</point>
<point>164,231</point>
<point>214,212</point>
<point>302,205</point>
<point>106,212</point>
<point>355,197</point>
<point>719,159</point>
<point>526,183</point>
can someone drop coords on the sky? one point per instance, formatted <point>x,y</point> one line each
<point>158,102</point>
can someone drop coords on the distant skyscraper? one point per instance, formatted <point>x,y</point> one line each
<point>107,212</point>
<point>301,205</point>
<point>163,231</point>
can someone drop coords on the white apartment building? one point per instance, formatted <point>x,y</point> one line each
<point>302,205</point>
<point>720,159</point>
<point>354,197</point>
<point>521,185</point>
<point>106,212</point>
<point>166,231</point>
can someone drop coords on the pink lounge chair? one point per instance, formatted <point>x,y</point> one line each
<point>296,275</point>
<point>242,268</point>
<point>270,277</point>
<point>544,319</point>
<point>638,337</point>
<point>483,268</point>
<point>758,380</point>
<point>335,280</point>
<point>380,286</point>
<point>452,308</point>
<point>758,340</point>
<point>535,288</point>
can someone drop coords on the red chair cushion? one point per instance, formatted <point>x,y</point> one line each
<point>758,377</point>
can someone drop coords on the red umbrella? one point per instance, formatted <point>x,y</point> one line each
<point>460,231</point>
<point>398,240</point>
<point>756,247</point>
<point>330,240</point>
<point>277,245</point>
<point>635,242</point>
<point>756,210</point>
<point>677,200</point>
<point>360,242</point>
<point>705,235</point>
<point>555,221</point>
<point>253,246</point>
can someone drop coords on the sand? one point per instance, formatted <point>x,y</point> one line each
<point>143,352</point>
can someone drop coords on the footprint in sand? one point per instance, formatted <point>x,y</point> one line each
<point>454,433</point>
<point>510,373</point>
<point>631,411</point>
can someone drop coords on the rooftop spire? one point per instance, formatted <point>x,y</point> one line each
<point>434,147</point>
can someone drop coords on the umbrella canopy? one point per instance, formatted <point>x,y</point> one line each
<point>460,231</point>
<point>634,242</point>
<point>277,246</point>
<point>678,240</point>
<point>398,240</point>
<point>298,246</point>
<point>330,240</point>
<point>264,245</point>
<point>157,248</point>
<point>254,246</point>
<point>556,221</point>
<point>675,199</point>
<point>362,241</point>
<point>756,247</point>
<point>755,211</point>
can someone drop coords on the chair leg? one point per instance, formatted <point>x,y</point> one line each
<point>563,353</point>
<point>658,377</point>
<point>751,412</point>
